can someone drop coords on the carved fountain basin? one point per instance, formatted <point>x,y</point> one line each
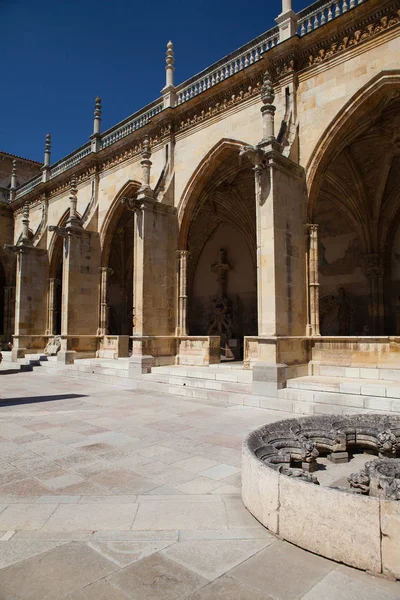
<point>355,521</point>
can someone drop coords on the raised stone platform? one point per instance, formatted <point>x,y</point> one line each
<point>357,524</point>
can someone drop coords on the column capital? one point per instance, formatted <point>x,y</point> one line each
<point>106,270</point>
<point>182,253</point>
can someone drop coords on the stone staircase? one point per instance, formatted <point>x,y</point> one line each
<point>332,389</point>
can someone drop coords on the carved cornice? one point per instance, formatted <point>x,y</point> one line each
<point>342,42</point>
<point>296,54</point>
<point>221,103</point>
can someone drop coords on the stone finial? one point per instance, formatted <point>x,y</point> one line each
<point>268,110</point>
<point>25,224</point>
<point>47,150</point>
<point>14,175</point>
<point>169,95</point>
<point>286,5</point>
<point>169,68</point>
<point>146,163</point>
<point>97,116</point>
<point>73,190</point>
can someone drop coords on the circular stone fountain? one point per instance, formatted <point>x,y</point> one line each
<point>315,482</point>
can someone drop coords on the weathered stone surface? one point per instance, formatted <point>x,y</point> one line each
<point>390,527</point>
<point>260,490</point>
<point>323,520</point>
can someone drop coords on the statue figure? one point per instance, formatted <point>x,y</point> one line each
<point>53,346</point>
<point>221,321</point>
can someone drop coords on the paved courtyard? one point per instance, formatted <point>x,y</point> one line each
<point>110,494</point>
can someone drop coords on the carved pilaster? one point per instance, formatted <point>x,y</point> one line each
<point>9,310</point>
<point>313,280</point>
<point>51,306</point>
<point>182,256</point>
<point>105,273</point>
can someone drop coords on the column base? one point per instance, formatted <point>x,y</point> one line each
<point>17,353</point>
<point>140,364</point>
<point>66,357</point>
<point>268,378</point>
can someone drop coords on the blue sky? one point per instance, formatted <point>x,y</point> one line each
<point>58,55</point>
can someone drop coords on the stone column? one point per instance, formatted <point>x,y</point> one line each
<point>9,310</point>
<point>313,279</point>
<point>104,308</point>
<point>51,306</point>
<point>281,205</point>
<point>374,272</point>
<point>30,292</point>
<point>183,256</point>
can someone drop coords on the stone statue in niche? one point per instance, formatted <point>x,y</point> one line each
<point>337,315</point>
<point>346,314</point>
<point>221,320</point>
<point>221,267</point>
<point>221,323</point>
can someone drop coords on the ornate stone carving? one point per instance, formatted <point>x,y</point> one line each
<point>379,478</point>
<point>300,474</point>
<point>387,443</point>
<point>285,444</point>
<point>53,346</point>
<point>358,36</point>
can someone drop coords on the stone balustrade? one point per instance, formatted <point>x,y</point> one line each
<point>229,66</point>
<point>319,13</point>
<point>135,122</point>
<point>316,15</point>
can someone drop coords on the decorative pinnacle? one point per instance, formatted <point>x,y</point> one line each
<point>170,59</point>
<point>146,149</point>
<point>25,223</point>
<point>267,90</point>
<point>97,107</point>
<point>47,146</point>
<point>169,67</point>
<point>97,118</point>
<point>72,186</point>
<point>14,175</point>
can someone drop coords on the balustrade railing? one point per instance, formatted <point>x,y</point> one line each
<point>136,122</point>
<point>228,67</point>
<point>309,19</point>
<point>28,186</point>
<point>322,12</point>
<point>69,162</point>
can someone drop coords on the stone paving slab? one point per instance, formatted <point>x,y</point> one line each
<point>146,505</point>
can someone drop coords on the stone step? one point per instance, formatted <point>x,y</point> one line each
<point>203,383</point>
<point>360,387</point>
<point>213,372</point>
<point>373,372</point>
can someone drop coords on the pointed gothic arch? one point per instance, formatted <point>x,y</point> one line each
<point>113,215</point>
<point>353,181</point>
<point>198,179</point>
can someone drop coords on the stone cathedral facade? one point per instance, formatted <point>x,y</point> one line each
<point>250,213</point>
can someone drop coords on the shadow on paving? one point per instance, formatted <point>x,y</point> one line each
<point>33,399</point>
<point>11,371</point>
